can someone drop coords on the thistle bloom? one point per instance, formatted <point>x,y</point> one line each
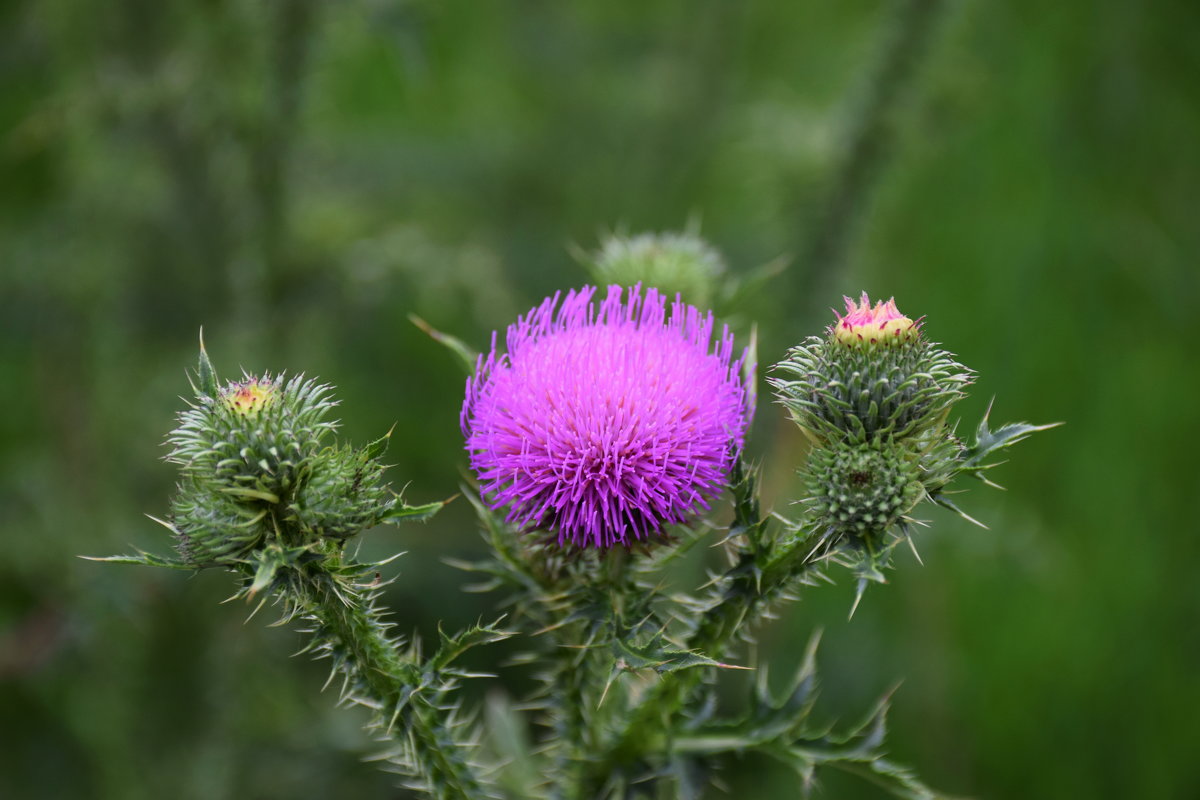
<point>604,425</point>
<point>867,324</point>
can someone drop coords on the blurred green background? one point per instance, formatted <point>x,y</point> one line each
<point>299,176</point>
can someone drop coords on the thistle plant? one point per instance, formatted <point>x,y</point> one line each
<point>605,434</point>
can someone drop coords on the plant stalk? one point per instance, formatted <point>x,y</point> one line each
<point>348,628</point>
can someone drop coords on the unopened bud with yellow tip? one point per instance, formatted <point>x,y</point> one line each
<point>863,324</point>
<point>250,396</point>
<point>874,376</point>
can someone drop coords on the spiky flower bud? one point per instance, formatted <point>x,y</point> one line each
<point>673,263</point>
<point>861,491</point>
<point>343,494</point>
<point>874,376</point>
<point>255,437</point>
<point>257,476</point>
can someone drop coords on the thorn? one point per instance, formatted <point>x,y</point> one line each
<point>913,546</point>
<point>165,524</point>
<point>862,588</point>
<point>261,603</point>
<point>607,686</point>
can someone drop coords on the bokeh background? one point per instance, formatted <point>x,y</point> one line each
<point>298,176</point>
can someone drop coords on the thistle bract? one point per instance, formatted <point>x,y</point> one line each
<point>874,376</point>
<point>604,424</point>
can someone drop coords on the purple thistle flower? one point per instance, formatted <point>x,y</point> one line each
<point>604,425</point>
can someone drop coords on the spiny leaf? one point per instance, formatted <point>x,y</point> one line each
<point>144,559</point>
<point>378,447</point>
<point>656,655</point>
<point>454,646</point>
<point>401,511</point>
<point>988,441</point>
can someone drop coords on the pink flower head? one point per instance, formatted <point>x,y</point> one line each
<point>606,424</point>
<point>883,323</point>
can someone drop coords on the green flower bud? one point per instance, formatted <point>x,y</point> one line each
<point>255,438</point>
<point>874,376</point>
<point>342,494</point>
<point>673,263</point>
<point>859,491</point>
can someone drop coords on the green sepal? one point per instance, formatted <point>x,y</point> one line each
<point>267,563</point>
<point>377,448</point>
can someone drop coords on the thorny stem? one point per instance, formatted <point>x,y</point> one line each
<point>571,723</point>
<point>578,709</point>
<point>349,627</point>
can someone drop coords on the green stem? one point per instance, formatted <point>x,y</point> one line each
<point>578,712</point>
<point>349,629</point>
<point>571,724</point>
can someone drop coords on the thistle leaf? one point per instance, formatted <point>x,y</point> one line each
<point>988,441</point>
<point>454,646</point>
<point>401,511</point>
<point>657,655</point>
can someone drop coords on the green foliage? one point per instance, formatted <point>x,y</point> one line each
<point>781,727</point>
<point>258,497</point>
